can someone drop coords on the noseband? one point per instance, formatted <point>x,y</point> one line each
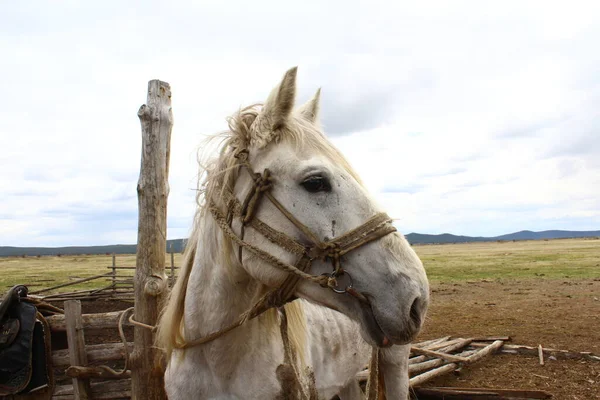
<point>332,250</point>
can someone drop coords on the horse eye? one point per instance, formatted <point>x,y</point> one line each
<point>316,184</point>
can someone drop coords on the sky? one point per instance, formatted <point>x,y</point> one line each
<point>469,117</point>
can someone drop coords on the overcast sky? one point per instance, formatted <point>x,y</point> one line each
<point>475,118</point>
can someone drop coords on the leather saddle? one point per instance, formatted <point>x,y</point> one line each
<point>25,356</point>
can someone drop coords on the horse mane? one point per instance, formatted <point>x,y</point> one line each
<point>217,175</point>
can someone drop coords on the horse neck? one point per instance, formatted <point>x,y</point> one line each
<point>218,292</point>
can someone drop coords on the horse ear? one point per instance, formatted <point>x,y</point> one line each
<point>310,109</point>
<point>276,111</point>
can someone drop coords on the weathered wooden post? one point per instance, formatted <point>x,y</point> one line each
<point>150,281</point>
<point>76,340</point>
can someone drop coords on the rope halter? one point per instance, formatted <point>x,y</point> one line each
<point>339,280</point>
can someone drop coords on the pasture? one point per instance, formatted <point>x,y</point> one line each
<point>523,260</point>
<point>537,292</point>
<point>46,271</point>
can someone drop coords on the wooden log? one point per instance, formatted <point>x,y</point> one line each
<point>417,359</point>
<point>92,298</point>
<point>89,321</point>
<point>150,282</point>
<point>444,369</point>
<point>437,346</point>
<point>541,354</point>
<point>437,354</point>
<point>75,282</point>
<point>424,366</point>
<point>450,346</point>
<point>487,350</point>
<point>95,372</point>
<point>78,296</point>
<point>431,342</point>
<point>126,394</point>
<point>76,341</point>
<point>102,289</point>
<point>66,294</point>
<point>533,351</point>
<point>491,338</point>
<point>116,389</point>
<point>456,345</point>
<point>96,353</point>
<point>413,369</point>
<point>449,393</point>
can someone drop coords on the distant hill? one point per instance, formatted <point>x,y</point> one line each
<point>420,238</point>
<point>177,245</point>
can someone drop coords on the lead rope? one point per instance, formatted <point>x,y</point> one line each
<point>288,374</point>
<point>375,389</point>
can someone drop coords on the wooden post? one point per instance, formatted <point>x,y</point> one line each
<point>114,274</point>
<point>76,341</point>
<point>150,281</point>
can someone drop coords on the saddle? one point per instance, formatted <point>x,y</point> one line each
<point>25,355</point>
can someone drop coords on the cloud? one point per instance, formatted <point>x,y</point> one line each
<point>468,118</point>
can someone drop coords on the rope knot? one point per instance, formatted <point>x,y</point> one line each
<point>262,183</point>
<point>332,282</point>
<point>333,251</point>
<point>322,280</point>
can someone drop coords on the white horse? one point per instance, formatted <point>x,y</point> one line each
<point>331,333</point>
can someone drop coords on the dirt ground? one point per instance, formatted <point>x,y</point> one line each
<point>560,314</point>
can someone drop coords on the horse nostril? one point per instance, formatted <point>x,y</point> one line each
<point>415,311</point>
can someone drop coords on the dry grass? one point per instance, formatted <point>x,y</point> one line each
<point>553,259</point>
<point>48,271</point>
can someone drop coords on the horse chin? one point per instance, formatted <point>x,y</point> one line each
<point>371,330</point>
<point>375,335</point>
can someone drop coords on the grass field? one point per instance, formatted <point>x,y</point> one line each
<point>553,259</point>
<point>48,271</point>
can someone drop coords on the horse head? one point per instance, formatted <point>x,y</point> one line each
<point>381,283</point>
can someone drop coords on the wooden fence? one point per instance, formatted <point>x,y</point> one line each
<point>80,361</point>
<point>116,284</point>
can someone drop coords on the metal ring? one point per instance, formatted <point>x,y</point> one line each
<point>349,286</point>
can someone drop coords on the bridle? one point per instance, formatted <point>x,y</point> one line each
<point>374,228</point>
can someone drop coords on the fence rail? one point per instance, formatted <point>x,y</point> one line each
<point>116,284</point>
